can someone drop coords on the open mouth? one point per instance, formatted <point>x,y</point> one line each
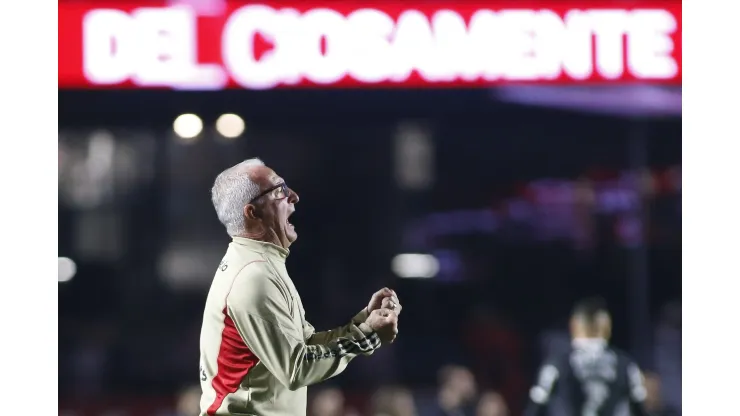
<point>287,221</point>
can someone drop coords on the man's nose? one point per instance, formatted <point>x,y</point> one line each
<point>293,197</point>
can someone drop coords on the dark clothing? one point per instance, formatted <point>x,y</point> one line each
<point>465,410</point>
<point>592,379</point>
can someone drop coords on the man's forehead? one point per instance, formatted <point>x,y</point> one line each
<point>264,175</point>
<point>274,178</point>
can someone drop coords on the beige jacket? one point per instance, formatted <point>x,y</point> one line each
<point>257,351</point>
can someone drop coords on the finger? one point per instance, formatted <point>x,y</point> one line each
<point>398,305</point>
<point>392,303</point>
<point>382,312</point>
<point>377,296</point>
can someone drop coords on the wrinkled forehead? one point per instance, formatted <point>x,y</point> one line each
<point>264,176</point>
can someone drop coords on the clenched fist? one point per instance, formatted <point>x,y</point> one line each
<point>384,299</point>
<point>385,323</point>
<point>392,304</point>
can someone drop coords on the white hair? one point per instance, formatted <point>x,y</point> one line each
<point>232,190</point>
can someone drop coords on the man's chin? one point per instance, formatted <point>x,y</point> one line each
<point>291,236</point>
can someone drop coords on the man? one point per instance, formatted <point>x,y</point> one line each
<point>257,351</point>
<point>592,379</point>
<point>491,403</point>
<point>188,401</point>
<point>393,401</point>
<point>328,402</point>
<point>456,393</point>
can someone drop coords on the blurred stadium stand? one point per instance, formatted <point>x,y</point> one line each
<point>527,210</point>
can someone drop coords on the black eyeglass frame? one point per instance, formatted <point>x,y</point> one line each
<point>286,191</point>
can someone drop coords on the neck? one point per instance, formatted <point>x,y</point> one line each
<point>266,235</point>
<point>589,342</point>
<point>262,246</point>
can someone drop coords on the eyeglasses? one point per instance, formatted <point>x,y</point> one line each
<point>283,189</point>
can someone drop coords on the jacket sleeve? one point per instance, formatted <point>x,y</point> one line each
<point>638,392</point>
<point>322,337</point>
<point>543,390</point>
<point>266,318</point>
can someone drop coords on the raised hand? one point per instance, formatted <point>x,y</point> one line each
<point>385,323</point>
<point>392,303</point>
<point>384,298</point>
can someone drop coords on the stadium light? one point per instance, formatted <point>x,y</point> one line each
<point>230,126</point>
<point>67,269</point>
<point>187,126</point>
<point>415,266</point>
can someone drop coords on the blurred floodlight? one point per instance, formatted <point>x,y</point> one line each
<point>415,266</point>
<point>67,269</point>
<point>187,126</point>
<point>230,126</point>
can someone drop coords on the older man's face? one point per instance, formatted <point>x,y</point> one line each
<point>276,206</point>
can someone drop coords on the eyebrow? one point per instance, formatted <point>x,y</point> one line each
<point>267,191</point>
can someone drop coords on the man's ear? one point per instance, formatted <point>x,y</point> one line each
<point>251,212</point>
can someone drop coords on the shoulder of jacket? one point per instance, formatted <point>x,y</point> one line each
<point>259,277</point>
<point>239,259</point>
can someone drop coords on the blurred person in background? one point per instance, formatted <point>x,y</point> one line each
<point>654,400</point>
<point>393,401</point>
<point>188,402</point>
<point>491,403</point>
<point>593,378</point>
<point>258,352</point>
<point>457,390</point>
<point>328,402</point>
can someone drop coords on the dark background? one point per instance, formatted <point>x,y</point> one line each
<point>534,207</point>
